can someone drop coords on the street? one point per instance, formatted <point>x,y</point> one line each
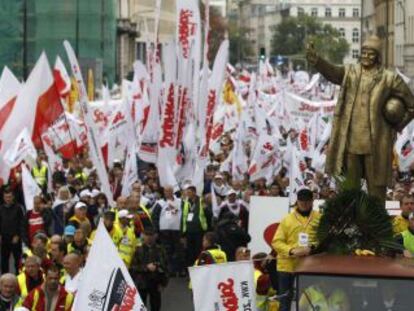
<point>177,296</point>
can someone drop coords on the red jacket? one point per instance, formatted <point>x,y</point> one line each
<point>36,300</point>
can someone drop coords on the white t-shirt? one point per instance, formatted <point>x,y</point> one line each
<point>170,215</point>
<point>71,284</point>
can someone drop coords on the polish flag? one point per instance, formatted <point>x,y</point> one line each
<point>9,88</point>
<point>37,106</point>
<point>62,79</point>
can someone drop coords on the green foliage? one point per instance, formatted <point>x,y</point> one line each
<point>291,35</point>
<point>240,46</point>
<point>354,220</point>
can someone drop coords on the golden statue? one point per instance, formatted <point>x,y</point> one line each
<point>374,103</point>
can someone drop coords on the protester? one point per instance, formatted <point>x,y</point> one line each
<point>166,216</point>
<point>73,272</point>
<point>406,237</point>
<point>39,219</point>
<point>401,222</point>
<point>9,297</point>
<point>31,277</point>
<point>12,230</point>
<point>149,270</point>
<point>212,253</point>
<point>194,223</point>
<point>231,235</point>
<point>50,295</point>
<point>129,241</point>
<point>294,238</point>
<point>235,206</point>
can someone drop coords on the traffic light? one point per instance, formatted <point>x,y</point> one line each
<point>262,53</point>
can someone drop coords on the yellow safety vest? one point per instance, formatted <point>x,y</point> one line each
<point>261,300</point>
<point>127,245</point>
<point>21,280</point>
<point>116,235</point>
<point>399,224</point>
<point>201,216</point>
<point>319,301</point>
<point>68,300</point>
<point>40,175</point>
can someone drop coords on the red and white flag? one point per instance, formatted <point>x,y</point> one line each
<point>9,88</point>
<point>62,78</point>
<point>264,157</point>
<point>37,106</point>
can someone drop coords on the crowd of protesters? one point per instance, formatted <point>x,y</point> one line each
<point>159,232</point>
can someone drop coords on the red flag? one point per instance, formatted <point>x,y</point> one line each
<point>61,77</point>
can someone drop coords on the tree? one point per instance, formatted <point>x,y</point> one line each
<point>240,46</point>
<point>291,35</point>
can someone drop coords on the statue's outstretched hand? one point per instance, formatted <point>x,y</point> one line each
<point>311,54</point>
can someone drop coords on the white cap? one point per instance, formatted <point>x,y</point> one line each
<point>218,175</point>
<point>124,214</point>
<point>187,186</point>
<point>94,193</point>
<point>231,191</point>
<point>80,205</point>
<point>85,193</point>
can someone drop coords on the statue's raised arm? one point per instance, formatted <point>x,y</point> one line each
<point>332,73</point>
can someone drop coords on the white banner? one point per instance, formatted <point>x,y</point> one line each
<point>265,214</point>
<point>106,284</point>
<point>224,287</point>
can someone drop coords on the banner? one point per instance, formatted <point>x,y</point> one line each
<point>30,188</point>
<point>21,149</point>
<point>106,284</point>
<point>224,287</point>
<point>265,214</point>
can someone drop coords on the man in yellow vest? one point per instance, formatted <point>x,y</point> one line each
<point>50,295</point>
<point>31,277</point>
<point>195,219</point>
<point>114,231</point>
<point>294,238</point>
<point>406,238</point>
<point>400,222</point>
<point>129,241</point>
<point>39,172</point>
<point>211,254</point>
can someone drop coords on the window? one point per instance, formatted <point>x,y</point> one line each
<point>355,12</point>
<point>355,35</point>
<point>328,12</point>
<point>314,12</point>
<point>342,32</point>
<point>355,54</point>
<point>301,11</point>
<point>341,12</point>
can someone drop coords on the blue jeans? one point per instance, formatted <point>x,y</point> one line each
<point>286,283</point>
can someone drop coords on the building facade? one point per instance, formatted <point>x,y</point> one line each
<point>262,16</point>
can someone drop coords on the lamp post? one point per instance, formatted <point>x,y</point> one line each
<point>25,69</point>
<point>77,29</point>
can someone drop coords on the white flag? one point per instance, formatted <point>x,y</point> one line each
<point>106,284</point>
<point>223,287</point>
<point>21,149</point>
<point>296,179</point>
<point>95,152</point>
<point>30,188</point>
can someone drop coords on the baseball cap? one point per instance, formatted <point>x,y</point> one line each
<point>94,193</point>
<point>231,191</point>
<point>80,205</point>
<point>70,230</point>
<point>85,193</point>
<point>124,214</point>
<point>218,176</point>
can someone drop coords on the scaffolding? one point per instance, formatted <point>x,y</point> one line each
<point>28,27</point>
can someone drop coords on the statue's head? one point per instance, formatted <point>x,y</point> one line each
<point>371,52</point>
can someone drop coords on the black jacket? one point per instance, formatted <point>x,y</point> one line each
<point>12,221</point>
<point>231,236</point>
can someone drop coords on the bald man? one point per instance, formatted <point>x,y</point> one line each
<point>8,292</point>
<point>72,265</point>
